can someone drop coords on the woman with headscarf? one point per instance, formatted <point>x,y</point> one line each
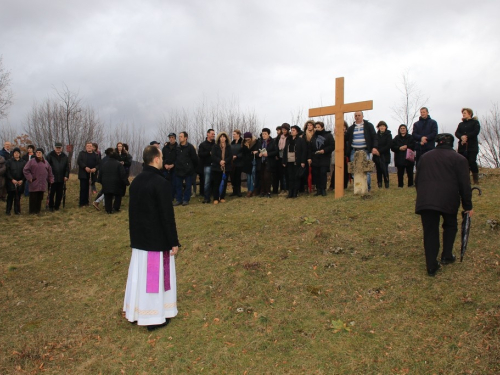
<point>467,133</point>
<point>39,173</point>
<point>294,159</point>
<point>222,156</point>
<point>400,146</point>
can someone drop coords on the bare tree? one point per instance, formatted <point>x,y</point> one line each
<point>412,99</point>
<point>7,133</point>
<point>6,94</point>
<point>64,119</point>
<point>489,139</point>
<point>134,136</point>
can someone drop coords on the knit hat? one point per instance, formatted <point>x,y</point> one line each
<point>286,126</point>
<point>16,149</point>
<point>382,123</point>
<point>40,149</point>
<point>247,135</point>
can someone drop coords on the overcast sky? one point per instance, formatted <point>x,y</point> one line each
<point>134,61</point>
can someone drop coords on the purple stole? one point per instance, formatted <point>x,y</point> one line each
<point>153,275</point>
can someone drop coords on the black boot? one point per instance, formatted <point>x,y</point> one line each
<point>290,193</point>
<point>475,178</point>
<point>379,184</point>
<point>387,184</point>
<point>323,192</point>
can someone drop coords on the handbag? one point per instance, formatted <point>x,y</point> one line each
<point>410,155</point>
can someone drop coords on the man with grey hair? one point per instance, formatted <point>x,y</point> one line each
<point>361,136</point>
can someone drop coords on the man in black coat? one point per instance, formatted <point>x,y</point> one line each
<point>424,133</point>
<point>88,163</point>
<point>205,157</point>
<point>168,152</point>
<point>361,136</point>
<point>186,161</point>
<point>60,168</point>
<point>442,181</point>
<point>151,293</point>
<point>113,178</point>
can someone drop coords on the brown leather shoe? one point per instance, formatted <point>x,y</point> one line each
<point>249,194</point>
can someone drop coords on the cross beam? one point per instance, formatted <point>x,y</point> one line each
<point>339,109</point>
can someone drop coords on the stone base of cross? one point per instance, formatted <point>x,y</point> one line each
<point>339,109</point>
<point>360,167</point>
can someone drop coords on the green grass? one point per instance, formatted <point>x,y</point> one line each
<point>260,291</point>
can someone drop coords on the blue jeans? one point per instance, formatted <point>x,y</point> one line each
<point>250,181</point>
<point>181,196</point>
<point>368,176</point>
<point>207,170</point>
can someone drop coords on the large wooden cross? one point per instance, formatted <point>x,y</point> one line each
<point>339,109</point>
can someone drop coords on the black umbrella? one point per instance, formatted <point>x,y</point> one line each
<point>64,194</point>
<point>466,222</point>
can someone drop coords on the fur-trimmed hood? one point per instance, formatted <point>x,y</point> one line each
<point>217,140</point>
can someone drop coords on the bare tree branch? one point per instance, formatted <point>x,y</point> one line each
<point>6,94</point>
<point>412,99</point>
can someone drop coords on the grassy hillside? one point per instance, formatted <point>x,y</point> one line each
<point>312,285</point>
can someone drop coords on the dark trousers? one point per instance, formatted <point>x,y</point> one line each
<point>236,178</point>
<point>293,180</point>
<point>401,174</point>
<point>266,179</point>
<point>56,190</point>
<point>84,192</point>
<point>319,176</point>
<point>35,203</point>
<point>14,197</point>
<point>180,194</point>
<point>112,202</point>
<point>430,223</point>
<point>280,180</point>
<point>471,158</point>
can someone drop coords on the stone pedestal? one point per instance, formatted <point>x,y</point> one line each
<point>359,167</point>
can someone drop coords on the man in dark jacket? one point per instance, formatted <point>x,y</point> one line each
<point>60,168</point>
<point>151,292</point>
<point>168,153</point>
<point>424,133</point>
<point>361,136</point>
<point>442,181</point>
<point>186,161</point>
<point>113,178</point>
<point>204,154</point>
<point>383,160</point>
<point>88,163</point>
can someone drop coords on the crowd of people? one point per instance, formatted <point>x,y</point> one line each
<point>297,160</point>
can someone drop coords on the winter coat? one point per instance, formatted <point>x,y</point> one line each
<point>370,136</point>
<point>399,155</point>
<point>39,173</point>
<point>297,145</point>
<point>87,159</point>
<point>151,214</point>
<point>272,155</point>
<point>204,152</point>
<point>384,145</point>
<point>443,180</point>
<point>186,160</point>
<point>3,171</point>
<point>112,177</point>
<point>6,154</point>
<point>168,152</point>
<point>126,158</point>
<point>249,158</point>
<point>27,157</point>
<point>425,128</point>
<point>321,140</point>
<point>59,165</point>
<point>471,129</point>
<point>14,172</point>
<point>217,155</point>
<point>236,150</point>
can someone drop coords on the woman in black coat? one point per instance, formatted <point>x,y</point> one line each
<point>383,160</point>
<point>294,159</point>
<point>400,144</point>
<point>267,153</point>
<point>14,179</point>
<point>237,163</point>
<point>251,160</point>
<point>222,156</point>
<point>319,156</point>
<point>467,133</point>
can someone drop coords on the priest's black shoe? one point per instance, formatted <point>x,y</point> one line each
<point>448,260</point>
<point>152,328</point>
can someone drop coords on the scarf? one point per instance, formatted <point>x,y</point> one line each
<point>282,142</point>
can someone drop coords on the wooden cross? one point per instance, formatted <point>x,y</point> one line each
<point>339,109</point>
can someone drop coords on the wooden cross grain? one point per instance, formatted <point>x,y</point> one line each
<point>339,109</point>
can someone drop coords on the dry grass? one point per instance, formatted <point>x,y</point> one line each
<point>260,291</point>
